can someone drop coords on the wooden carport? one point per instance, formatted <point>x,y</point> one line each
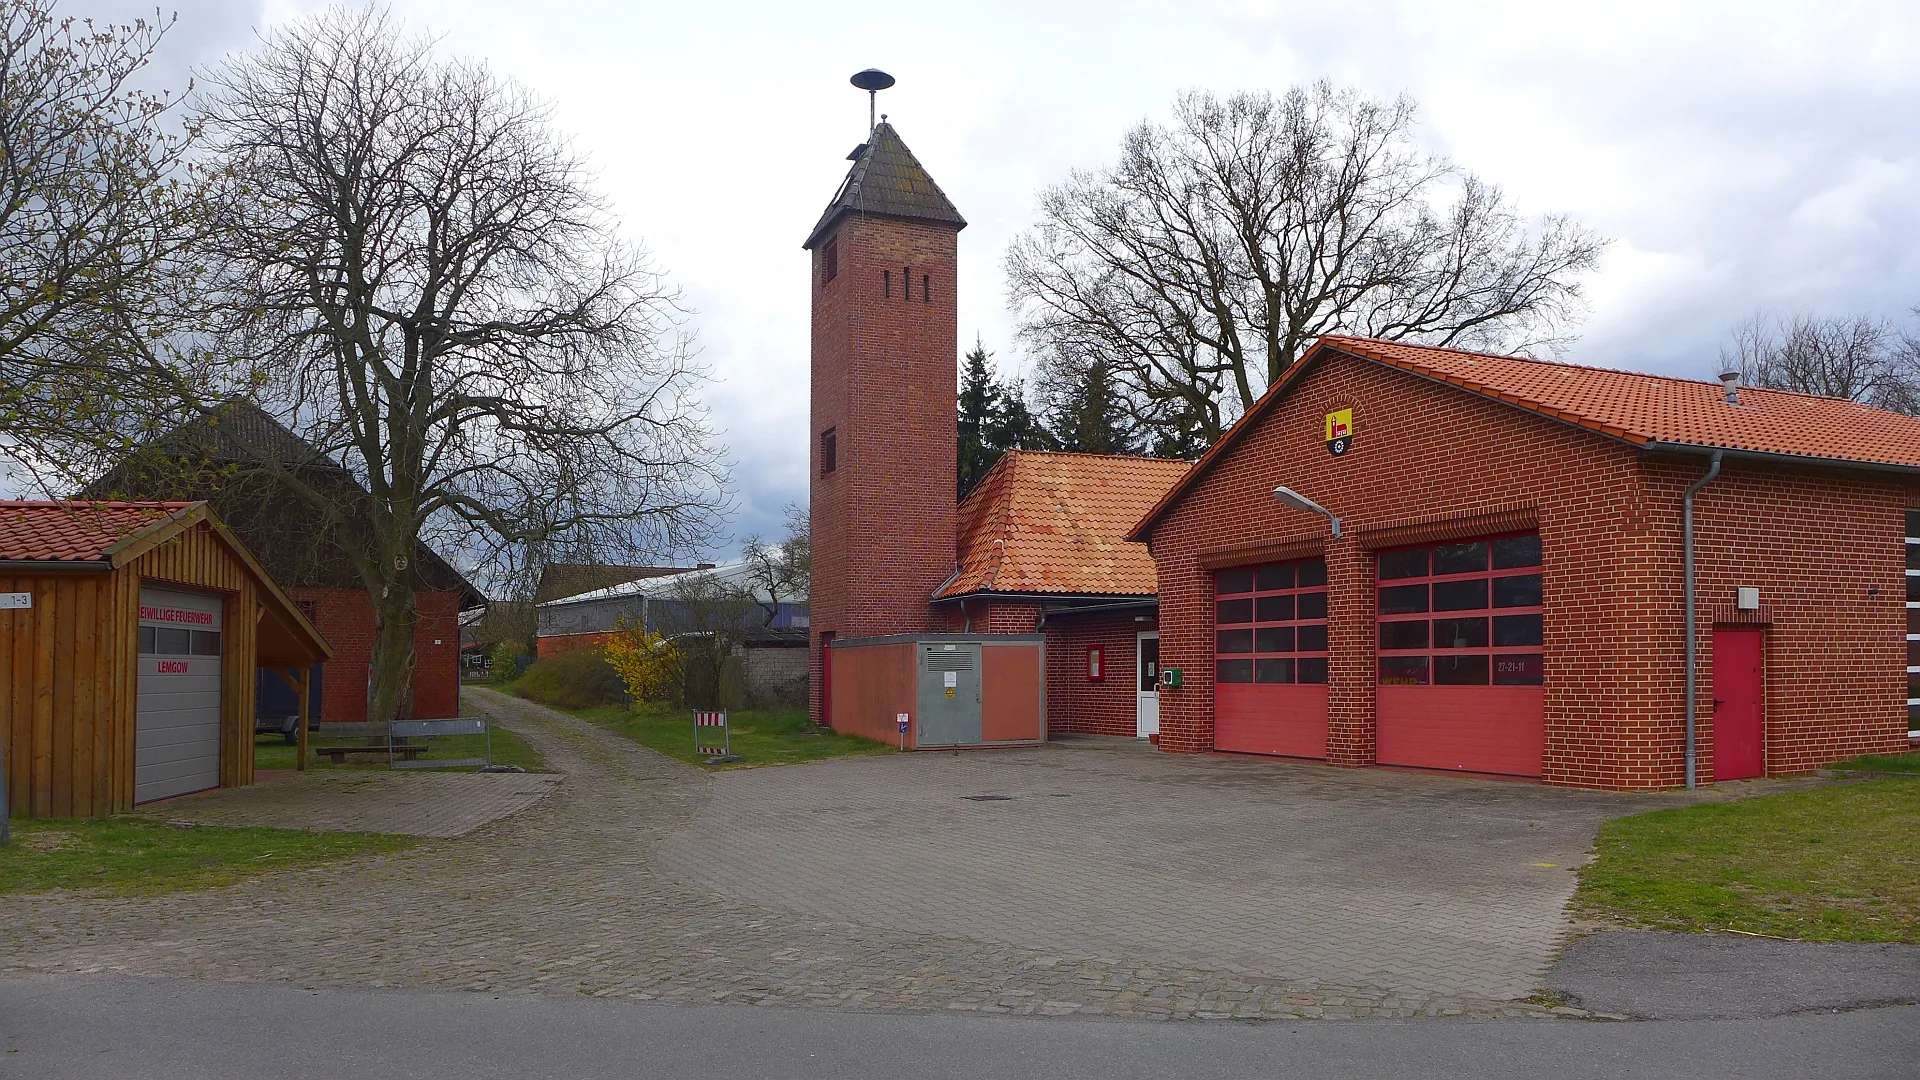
<point>71,575</point>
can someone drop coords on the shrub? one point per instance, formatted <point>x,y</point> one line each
<point>510,660</point>
<point>652,669</point>
<point>577,679</point>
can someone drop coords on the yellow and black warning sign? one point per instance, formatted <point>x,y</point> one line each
<point>1339,431</point>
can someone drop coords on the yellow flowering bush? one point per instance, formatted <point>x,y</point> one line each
<point>653,668</point>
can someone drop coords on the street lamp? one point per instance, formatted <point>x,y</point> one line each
<point>1301,502</point>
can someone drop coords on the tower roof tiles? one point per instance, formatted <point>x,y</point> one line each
<point>887,180</point>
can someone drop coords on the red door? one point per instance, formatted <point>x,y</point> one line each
<point>1270,667</point>
<point>826,679</point>
<point>1737,712</point>
<point>1462,656</point>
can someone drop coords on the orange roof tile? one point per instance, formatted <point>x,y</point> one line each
<point>1057,524</point>
<point>1645,409</point>
<point>1653,411</point>
<point>75,531</point>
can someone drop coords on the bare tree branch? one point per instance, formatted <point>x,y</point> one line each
<point>414,264</point>
<point>1857,357</point>
<point>1204,262</point>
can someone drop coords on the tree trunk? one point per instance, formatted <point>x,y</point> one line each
<point>394,619</point>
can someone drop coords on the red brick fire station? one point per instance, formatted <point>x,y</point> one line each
<point>1400,556</point>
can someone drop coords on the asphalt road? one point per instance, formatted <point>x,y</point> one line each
<point>1659,976</point>
<point>53,1028</point>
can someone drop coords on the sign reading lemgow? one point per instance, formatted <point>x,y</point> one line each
<point>176,615</point>
<point>173,667</point>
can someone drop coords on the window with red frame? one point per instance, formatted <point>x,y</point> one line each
<point>1271,623</point>
<point>1461,614</point>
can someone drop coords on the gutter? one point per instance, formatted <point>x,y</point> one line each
<point>33,565</point>
<point>1693,642</point>
<point>1715,452</point>
<point>988,594</point>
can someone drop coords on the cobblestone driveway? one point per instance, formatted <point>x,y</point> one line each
<point>572,896</point>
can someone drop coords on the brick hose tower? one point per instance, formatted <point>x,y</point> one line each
<point>885,367</point>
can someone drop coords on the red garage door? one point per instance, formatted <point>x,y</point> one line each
<point>1460,656</point>
<point>1270,664</point>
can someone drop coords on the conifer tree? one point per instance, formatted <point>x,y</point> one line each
<point>979,406</point>
<point>1085,412</point>
<point>994,418</point>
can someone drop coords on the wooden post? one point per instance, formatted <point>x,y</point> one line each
<point>306,705</point>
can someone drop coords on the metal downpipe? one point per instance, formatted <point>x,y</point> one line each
<point>1693,642</point>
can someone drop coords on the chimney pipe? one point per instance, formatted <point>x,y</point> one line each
<point>1731,380</point>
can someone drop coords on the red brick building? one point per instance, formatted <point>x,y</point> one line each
<point>1506,593</point>
<point>1038,548</point>
<point>1043,549</point>
<point>220,460</point>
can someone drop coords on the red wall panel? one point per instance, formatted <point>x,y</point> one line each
<point>1488,729</point>
<point>1268,718</point>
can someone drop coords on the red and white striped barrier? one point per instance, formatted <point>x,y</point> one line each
<point>704,725</point>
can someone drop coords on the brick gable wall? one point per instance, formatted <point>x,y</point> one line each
<point>1610,529</point>
<point>885,369</point>
<point>345,618</point>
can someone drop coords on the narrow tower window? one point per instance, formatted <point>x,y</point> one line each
<point>829,451</point>
<point>926,288</point>
<point>830,262</point>
<point>906,283</point>
<point>886,284</point>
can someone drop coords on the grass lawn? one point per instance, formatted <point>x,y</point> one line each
<point>1881,763</point>
<point>138,855</point>
<point>1834,863</point>
<point>760,736</point>
<point>274,752</point>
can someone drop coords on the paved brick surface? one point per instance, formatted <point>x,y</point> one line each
<point>409,803</point>
<point>572,897</point>
<point>1416,886</point>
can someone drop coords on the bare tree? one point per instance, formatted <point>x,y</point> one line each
<point>708,617</point>
<point>1207,259</point>
<point>434,298</point>
<point>95,218</point>
<point>780,569</point>
<point>1857,357</point>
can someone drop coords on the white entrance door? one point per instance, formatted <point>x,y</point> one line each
<point>1146,682</point>
<point>176,741</point>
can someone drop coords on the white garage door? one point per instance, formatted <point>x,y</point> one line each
<point>176,746</point>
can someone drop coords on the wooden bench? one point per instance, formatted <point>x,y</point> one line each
<point>403,751</point>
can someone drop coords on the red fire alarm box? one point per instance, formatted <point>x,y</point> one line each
<point>1096,663</point>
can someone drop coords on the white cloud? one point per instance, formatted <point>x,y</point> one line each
<point>1740,154</point>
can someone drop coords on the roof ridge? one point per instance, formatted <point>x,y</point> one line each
<point>96,504</point>
<point>1102,457</point>
<point>1713,384</point>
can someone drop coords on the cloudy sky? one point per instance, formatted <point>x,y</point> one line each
<point>1741,156</point>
